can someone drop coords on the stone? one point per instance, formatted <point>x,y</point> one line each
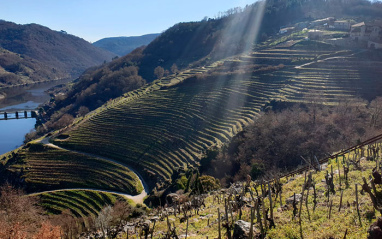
<point>375,231</point>
<point>241,230</point>
<point>324,166</point>
<point>290,199</point>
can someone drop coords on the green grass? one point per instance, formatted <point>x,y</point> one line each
<point>319,225</point>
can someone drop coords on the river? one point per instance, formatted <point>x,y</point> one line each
<point>12,132</point>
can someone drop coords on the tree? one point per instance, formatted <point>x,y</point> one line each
<point>48,231</point>
<point>82,111</point>
<point>174,69</point>
<point>70,225</point>
<point>375,109</point>
<point>65,120</point>
<point>104,219</point>
<point>159,72</point>
<point>19,215</point>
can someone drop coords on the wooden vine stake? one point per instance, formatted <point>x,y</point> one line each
<point>299,213</point>
<point>346,232</point>
<point>356,200</point>
<point>270,200</point>
<point>263,203</point>
<point>330,208</point>
<point>339,173</point>
<point>220,235</point>
<point>259,218</point>
<point>227,220</point>
<point>342,192</point>
<point>187,228</point>
<point>314,197</point>
<point>251,228</point>
<point>306,202</point>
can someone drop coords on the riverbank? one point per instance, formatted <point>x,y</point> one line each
<point>32,83</point>
<point>20,98</point>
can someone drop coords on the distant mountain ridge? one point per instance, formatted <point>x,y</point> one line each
<point>55,51</point>
<point>124,45</point>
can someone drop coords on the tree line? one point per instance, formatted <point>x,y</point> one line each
<point>279,138</point>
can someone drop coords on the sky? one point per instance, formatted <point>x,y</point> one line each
<point>96,19</point>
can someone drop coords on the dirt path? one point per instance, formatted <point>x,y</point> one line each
<point>127,196</point>
<point>137,198</point>
<point>329,58</point>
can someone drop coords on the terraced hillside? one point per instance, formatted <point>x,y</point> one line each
<point>172,122</point>
<point>80,203</point>
<point>44,168</point>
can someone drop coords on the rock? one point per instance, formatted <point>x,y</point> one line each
<point>290,199</point>
<point>375,231</point>
<point>324,166</point>
<point>241,230</point>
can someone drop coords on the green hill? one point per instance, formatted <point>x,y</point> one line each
<point>124,45</point>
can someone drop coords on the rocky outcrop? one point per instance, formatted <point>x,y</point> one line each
<point>241,230</point>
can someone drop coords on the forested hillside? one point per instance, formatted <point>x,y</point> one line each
<point>17,69</point>
<point>54,52</point>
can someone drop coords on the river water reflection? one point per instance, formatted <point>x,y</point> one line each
<point>12,132</point>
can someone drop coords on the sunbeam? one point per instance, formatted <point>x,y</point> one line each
<point>246,27</point>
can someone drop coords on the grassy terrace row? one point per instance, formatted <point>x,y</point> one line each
<point>50,168</point>
<point>80,203</point>
<point>333,80</point>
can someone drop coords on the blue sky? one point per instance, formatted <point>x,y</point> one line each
<point>96,19</point>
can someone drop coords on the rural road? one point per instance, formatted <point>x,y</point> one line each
<point>137,198</point>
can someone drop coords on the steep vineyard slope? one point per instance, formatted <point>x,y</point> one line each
<point>171,122</point>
